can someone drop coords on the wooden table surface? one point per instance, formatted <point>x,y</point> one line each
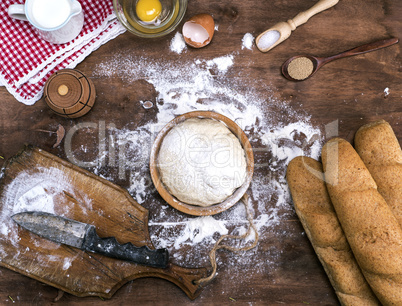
<point>350,91</point>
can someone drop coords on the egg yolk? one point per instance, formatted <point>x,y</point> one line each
<point>148,10</point>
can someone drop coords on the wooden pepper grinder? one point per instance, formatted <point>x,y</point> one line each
<point>69,93</point>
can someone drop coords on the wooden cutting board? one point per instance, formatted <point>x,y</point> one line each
<point>38,180</point>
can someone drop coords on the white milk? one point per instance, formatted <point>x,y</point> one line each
<point>50,13</point>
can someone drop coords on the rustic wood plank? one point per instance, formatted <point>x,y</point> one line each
<point>86,198</point>
<point>350,91</point>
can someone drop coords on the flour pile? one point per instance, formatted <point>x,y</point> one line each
<point>247,41</point>
<point>204,84</point>
<point>178,44</point>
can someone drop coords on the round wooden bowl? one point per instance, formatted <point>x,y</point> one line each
<point>193,209</point>
<point>69,93</point>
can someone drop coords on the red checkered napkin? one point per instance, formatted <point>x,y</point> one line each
<point>27,61</point>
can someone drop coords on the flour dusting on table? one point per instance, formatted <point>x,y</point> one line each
<point>201,84</point>
<point>177,44</point>
<point>206,84</point>
<point>37,189</point>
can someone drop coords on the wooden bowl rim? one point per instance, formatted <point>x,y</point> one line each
<point>193,209</point>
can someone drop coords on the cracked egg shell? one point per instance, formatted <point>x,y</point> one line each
<point>199,30</point>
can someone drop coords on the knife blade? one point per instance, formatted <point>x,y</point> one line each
<point>83,236</point>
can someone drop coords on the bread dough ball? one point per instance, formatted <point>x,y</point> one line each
<point>201,162</point>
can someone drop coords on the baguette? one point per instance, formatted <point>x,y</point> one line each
<point>380,151</point>
<point>317,215</point>
<point>371,228</point>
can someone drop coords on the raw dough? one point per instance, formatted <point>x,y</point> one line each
<point>201,162</point>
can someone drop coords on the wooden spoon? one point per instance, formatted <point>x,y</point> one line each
<point>282,30</point>
<point>318,62</point>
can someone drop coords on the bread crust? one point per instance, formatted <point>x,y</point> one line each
<point>380,151</point>
<point>371,228</point>
<point>317,215</point>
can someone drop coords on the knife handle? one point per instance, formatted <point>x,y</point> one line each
<point>112,248</point>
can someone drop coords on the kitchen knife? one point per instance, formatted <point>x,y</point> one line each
<point>83,236</point>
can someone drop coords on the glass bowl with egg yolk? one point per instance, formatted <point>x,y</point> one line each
<point>150,18</point>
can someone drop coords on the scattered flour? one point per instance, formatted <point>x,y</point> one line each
<point>178,44</point>
<point>67,263</point>
<point>222,63</point>
<point>202,84</point>
<point>247,41</point>
<point>184,86</point>
<point>274,140</point>
<point>35,190</point>
<point>194,231</point>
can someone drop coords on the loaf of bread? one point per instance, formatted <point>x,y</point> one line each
<point>317,215</point>
<point>380,151</point>
<point>370,227</point>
